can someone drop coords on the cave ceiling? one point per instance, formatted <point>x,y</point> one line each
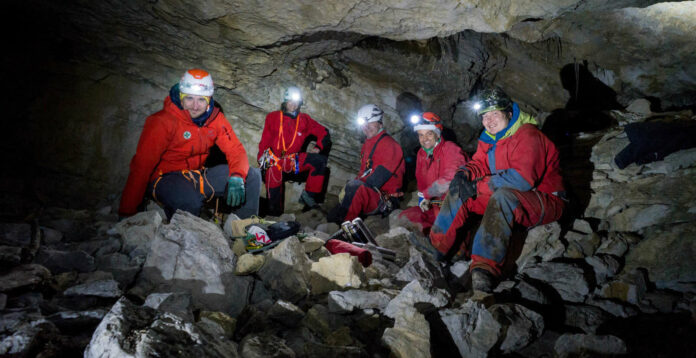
<point>102,66</point>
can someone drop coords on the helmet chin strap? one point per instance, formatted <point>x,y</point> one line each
<point>292,114</point>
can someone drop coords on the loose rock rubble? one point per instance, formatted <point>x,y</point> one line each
<point>81,283</point>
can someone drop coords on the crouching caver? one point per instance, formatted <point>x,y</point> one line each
<point>436,163</point>
<point>513,177</point>
<point>377,187</point>
<point>173,146</point>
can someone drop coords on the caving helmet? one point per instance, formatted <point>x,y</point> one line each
<point>493,99</point>
<point>196,82</point>
<point>428,121</point>
<point>369,113</point>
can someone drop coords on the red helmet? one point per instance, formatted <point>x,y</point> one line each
<point>428,121</point>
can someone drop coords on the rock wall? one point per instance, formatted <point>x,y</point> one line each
<point>87,74</point>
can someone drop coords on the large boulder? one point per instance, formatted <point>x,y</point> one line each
<point>640,196</point>
<point>136,331</point>
<point>676,242</point>
<point>138,232</point>
<point>192,255</point>
<point>473,328</point>
<point>520,325</point>
<point>410,336</point>
<point>286,270</point>
<point>567,279</point>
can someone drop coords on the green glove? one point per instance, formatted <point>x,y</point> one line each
<point>235,191</point>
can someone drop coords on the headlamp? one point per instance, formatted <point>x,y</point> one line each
<point>476,106</point>
<point>295,96</point>
<point>361,121</point>
<point>415,119</point>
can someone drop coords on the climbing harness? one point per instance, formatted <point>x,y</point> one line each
<point>281,137</point>
<point>190,175</point>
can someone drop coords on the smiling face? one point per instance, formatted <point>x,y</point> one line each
<point>427,138</point>
<point>495,121</point>
<point>195,105</point>
<point>371,129</point>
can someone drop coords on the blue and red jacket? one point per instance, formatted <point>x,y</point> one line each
<point>519,157</point>
<point>172,142</point>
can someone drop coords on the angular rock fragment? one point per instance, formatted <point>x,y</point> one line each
<point>473,329</point>
<point>100,288</point>
<point>419,267</point>
<point>630,287</point>
<point>587,318</point>
<point>286,270</point>
<point>128,330</point>
<point>192,255</point>
<point>261,346</point>
<point>340,271</point>
<point>248,264</point>
<point>604,266</point>
<point>520,325</point>
<point>588,345</point>
<point>542,242</point>
<point>567,279</point>
<point>286,313</point>
<point>15,234</point>
<point>23,276</point>
<point>348,301</point>
<point>59,261</point>
<point>177,303</point>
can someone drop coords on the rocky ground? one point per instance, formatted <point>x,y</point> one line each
<point>619,281</point>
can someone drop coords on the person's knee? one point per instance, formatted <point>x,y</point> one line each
<point>190,204</point>
<point>253,177</point>
<point>318,161</point>
<point>505,196</point>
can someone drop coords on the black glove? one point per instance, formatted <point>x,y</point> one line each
<point>462,186</point>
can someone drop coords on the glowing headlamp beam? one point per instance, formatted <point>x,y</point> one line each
<point>415,119</point>
<point>476,106</point>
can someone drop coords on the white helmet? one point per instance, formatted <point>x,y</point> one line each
<point>369,113</point>
<point>292,94</point>
<point>197,82</point>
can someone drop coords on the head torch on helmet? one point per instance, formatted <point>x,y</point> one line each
<point>292,94</point>
<point>492,100</point>
<point>427,121</point>
<point>369,113</point>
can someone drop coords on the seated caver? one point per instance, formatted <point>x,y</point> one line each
<point>173,146</point>
<point>513,177</point>
<point>436,163</point>
<point>285,133</point>
<point>377,187</point>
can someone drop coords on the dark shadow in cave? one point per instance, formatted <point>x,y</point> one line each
<point>655,335</point>
<point>407,104</point>
<point>586,111</point>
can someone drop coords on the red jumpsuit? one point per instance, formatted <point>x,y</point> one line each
<point>286,141</point>
<point>172,142</point>
<point>433,176</point>
<point>518,181</point>
<point>379,180</point>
